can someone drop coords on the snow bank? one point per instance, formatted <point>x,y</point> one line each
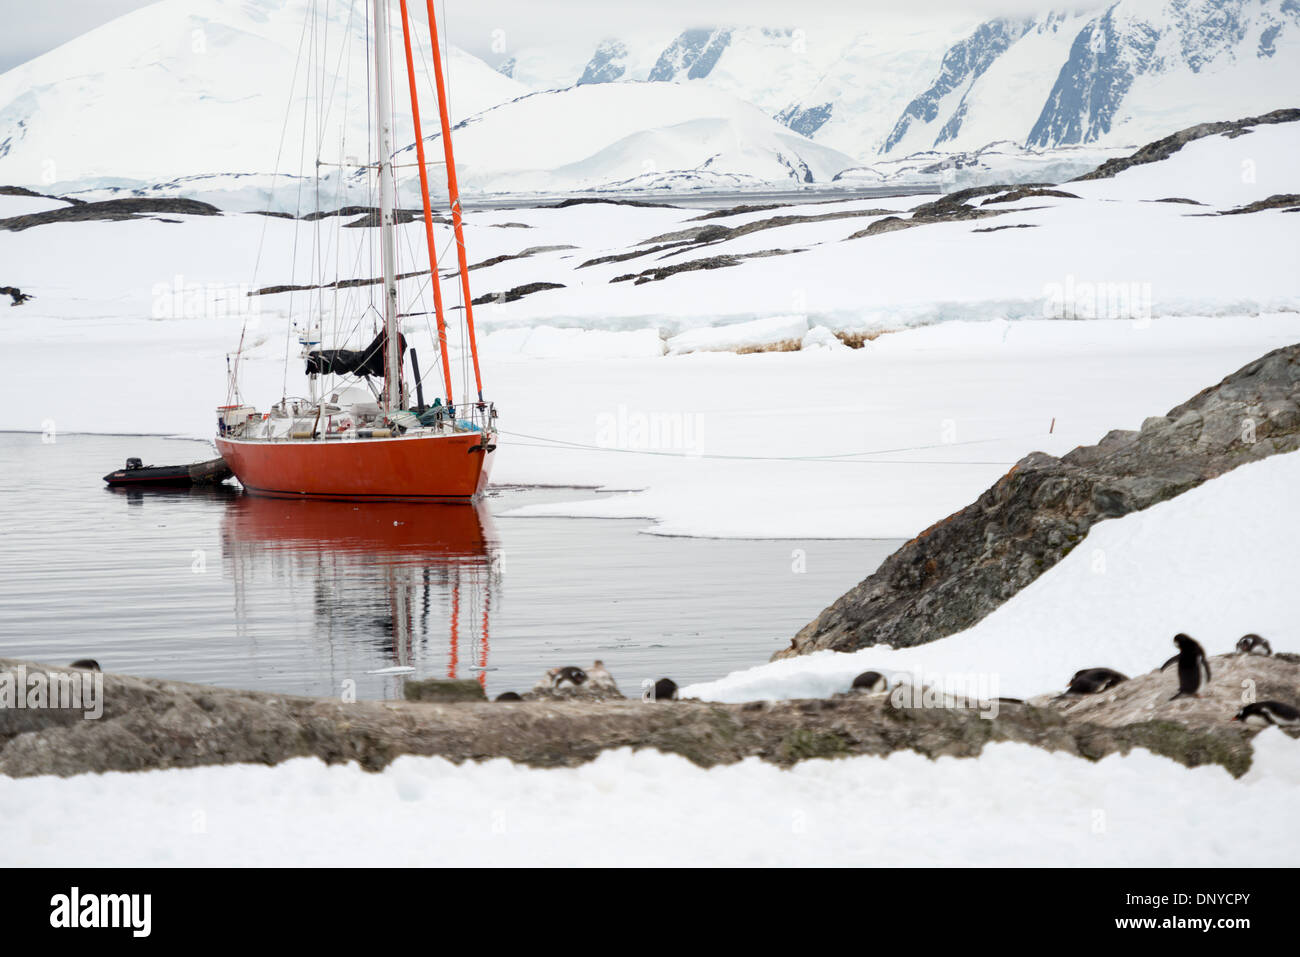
<point>752,335</point>
<point>1215,562</point>
<point>1133,810</point>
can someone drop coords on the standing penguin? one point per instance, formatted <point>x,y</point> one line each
<point>1191,662</point>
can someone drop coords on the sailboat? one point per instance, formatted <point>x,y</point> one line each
<point>345,443</point>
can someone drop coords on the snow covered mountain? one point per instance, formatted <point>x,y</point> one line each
<point>1142,64</point>
<point>636,136</point>
<point>187,87</point>
<point>1130,72</point>
<point>220,88</point>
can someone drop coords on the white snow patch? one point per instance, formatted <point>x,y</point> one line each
<point>1013,805</point>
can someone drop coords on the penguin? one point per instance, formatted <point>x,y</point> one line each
<point>1191,662</point>
<point>665,689</point>
<point>600,679</point>
<point>1253,645</point>
<point>1263,713</point>
<point>509,696</point>
<point>86,664</point>
<point>1094,681</point>
<point>871,682</point>
<point>570,673</point>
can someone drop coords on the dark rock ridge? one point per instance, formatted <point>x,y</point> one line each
<point>590,200</point>
<point>110,209</point>
<point>1286,201</point>
<point>516,293</point>
<point>717,233</point>
<point>960,569</point>
<point>952,207</point>
<point>1169,145</point>
<point>709,262</point>
<point>149,723</point>
<point>1025,192</point>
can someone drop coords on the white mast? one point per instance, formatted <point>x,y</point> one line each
<point>387,199</point>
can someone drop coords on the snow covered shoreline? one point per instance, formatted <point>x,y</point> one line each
<point>1014,806</point>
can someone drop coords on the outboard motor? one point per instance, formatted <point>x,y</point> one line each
<point>134,464</point>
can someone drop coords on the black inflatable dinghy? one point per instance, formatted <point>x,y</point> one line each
<point>138,475</point>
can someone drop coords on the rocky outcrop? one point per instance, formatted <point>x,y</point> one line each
<point>1287,201</point>
<point>110,209</point>
<point>1236,681</point>
<point>960,569</point>
<point>1167,146</point>
<point>150,724</point>
<point>515,293</point>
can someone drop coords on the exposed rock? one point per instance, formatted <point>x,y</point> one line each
<point>150,723</point>
<point>994,229</point>
<point>522,254</point>
<point>1276,201</point>
<point>634,254</point>
<point>710,262</point>
<point>1147,698</point>
<point>110,209</point>
<point>443,689</point>
<point>1026,192</point>
<point>960,569</point>
<point>1169,145</point>
<point>737,211</point>
<point>338,284</point>
<point>518,292</point>
<point>714,233</point>
<point>589,200</point>
<point>945,210</point>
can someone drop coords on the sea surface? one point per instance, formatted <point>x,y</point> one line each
<point>218,587</point>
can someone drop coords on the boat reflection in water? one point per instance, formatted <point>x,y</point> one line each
<point>391,584</point>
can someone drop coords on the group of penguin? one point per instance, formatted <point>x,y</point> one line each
<point>665,689</point>
<point>1192,668</point>
<point>1193,671</point>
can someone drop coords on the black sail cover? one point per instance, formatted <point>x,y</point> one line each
<point>368,361</point>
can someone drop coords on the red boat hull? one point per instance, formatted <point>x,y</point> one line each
<point>420,468</point>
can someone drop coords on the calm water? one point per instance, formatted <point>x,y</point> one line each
<point>222,588</point>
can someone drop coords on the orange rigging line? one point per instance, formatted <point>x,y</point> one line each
<point>454,192</point>
<point>428,213</point>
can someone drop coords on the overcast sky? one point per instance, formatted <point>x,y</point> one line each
<point>33,26</point>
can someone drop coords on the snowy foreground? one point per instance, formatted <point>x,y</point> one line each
<point>1015,805</point>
